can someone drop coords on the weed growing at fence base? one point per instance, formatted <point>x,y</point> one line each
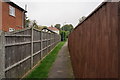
<point>42,70</point>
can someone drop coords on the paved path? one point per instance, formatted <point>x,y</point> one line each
<point>62,66</point>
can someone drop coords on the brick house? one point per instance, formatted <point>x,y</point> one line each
<point>12,16</point>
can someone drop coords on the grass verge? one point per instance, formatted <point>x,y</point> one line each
<point>42,70</point>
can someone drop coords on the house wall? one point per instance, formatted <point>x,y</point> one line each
<point>10,21</point>
<point>56,32</point>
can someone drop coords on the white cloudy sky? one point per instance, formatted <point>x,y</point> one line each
<point>51,12</point>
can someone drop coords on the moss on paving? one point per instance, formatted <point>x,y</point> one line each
<point>42,70</point>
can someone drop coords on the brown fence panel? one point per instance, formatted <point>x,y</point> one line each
<point>93,44</point>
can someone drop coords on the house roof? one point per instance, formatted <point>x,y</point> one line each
<point>48,30</point>
<point>53,28</point>
<point>14,5</point>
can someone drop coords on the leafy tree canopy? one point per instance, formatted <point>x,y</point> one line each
<point>82,19</point>
<point>58,26</point>
<point>27,22</point>
<point>67,27</point>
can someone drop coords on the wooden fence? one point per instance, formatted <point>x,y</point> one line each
<point>94,44</point>
<point>21,50</point>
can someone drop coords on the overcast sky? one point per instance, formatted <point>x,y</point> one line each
<point>51,12</point>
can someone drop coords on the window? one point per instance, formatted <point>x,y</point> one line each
<point>11,11</point>
<point>11,29</point>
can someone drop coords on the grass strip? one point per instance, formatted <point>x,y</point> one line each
<point>42,70</point>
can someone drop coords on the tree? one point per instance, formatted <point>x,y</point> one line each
<point>57,26</point>
<point>67,27</point>
<point>63,35</point>
<point>27,22</point>
<point>35,23</point>
<point>44,26</point>
<point>40,27</point>
<point>65,31</point>
<point>82,19</point>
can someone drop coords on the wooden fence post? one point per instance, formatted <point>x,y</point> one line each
<point>41,44</point>
<point>47,42</point>
<point>2,55</point>
<point>54,40</point>
<point>32,47</point>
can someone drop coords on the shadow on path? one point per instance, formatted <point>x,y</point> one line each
<point>62,66</point>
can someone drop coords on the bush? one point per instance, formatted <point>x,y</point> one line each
<point>64,35</point>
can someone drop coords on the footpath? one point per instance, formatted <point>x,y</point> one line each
<point>62,67</point>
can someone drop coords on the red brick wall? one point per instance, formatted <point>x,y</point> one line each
<point>10,21</point>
